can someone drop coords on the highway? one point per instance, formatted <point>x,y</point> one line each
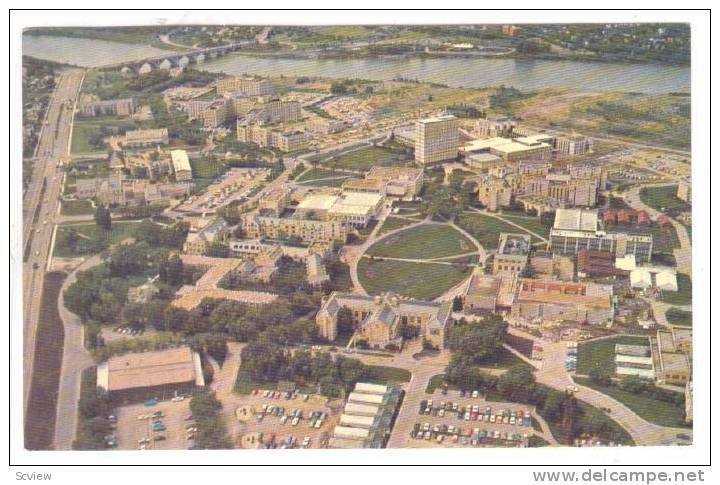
<point>40,204</point>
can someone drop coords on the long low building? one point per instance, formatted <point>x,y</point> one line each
<point>368,417</point>
<point>161,374</point>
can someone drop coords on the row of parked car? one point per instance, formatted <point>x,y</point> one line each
<point>289,442</point>
<point>278,394</point>
<point>475,413</point>
<point>315,418</point>
<point>571,358</point>
<point>111,440</point>
<point>131,330</point>
<point>466,436</point>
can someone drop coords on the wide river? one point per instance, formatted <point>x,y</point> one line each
<point>457,72</point>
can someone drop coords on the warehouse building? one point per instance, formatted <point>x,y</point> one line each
<point>368,417</point>
<point>161,374</point>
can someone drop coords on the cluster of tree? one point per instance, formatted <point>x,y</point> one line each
<point>533,46</point>
<point>74,244</point>
<point>157,235</point>
<point>636,385</point>
<point>103,218</point>
<point>97,296</point>
<point>504,96</point>
<point>297,170</point>
<point>94,407</point>
<point>465,111</point>
<point>446,201</point>
<point>477,342</point>
<point>211,433</point>
<point>265,362</point>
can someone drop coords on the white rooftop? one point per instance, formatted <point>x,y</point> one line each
<point>576,220</point>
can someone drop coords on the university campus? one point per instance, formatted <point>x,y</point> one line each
<point>342,237</point>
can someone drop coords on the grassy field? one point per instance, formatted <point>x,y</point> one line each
<point>487,229</point>
<point>76,208</point>
<point>684,294</point>
<point>678,317</point>
<point>422,242</point>
<point>365,158</point>
<point>530,223</point>
<point>436,382</point>
<point>388,375</point>
<point>417,280</point>
<point>660,198</point>
<point>87,130</point>
<point>601,353</point>
<point>391,223</point>
<point>91,238</point>
<point>206,168</point>
<point>653,410</point>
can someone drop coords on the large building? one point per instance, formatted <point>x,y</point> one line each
<point>368,417</point>
<point>400,181</point>
<point>145,138</point>
<point>377,319</point>
<point>181,165</point>
<point>354,209</point>
<point>672,355</point>
<point>436,139</point>
<point>110,107</point>
<point>307,230</point>
<point>512,254</point>
<point>267,136</point>
<point>510,150</point>
<point>496,125</point>
<point>573,145</point>
<point>246,85</point>
<point>198,242</point>
<point>161,374</point>
<point>576,229</point>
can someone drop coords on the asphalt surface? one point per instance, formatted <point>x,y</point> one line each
<point>40,204</point>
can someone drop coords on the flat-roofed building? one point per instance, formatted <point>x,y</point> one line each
<point>362,409</point>
<point>315,206</point>
<point>403,182</point>
<point>246,85</point>
<point>573,145</point>
<point>181,165</point>
<point>368,416</point>
<point>482,162</point>
<point>355,208</point>
<point>576,229</point>
<point>436,139</point>
<point>316,272</point>
<point>589,303</point>
<point>278,111</point>
<point>684,191</point>
<point>308,230</point>
<point>144,138</point>
<point>634,360</point>
<point>161,373</point>
<point>109,107</point>
<point>512,253</point>
<point>509,150</point>
<point>289,140</point>
<point>481,294</point>
<point>367,186</point>
<point>363,422</point>
<point>496,126</point>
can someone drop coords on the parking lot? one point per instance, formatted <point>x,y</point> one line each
<point>253,420</point>
<point>455,420</point>
<point>132,433</point>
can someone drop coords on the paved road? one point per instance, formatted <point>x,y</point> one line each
<point>76,358</point>
<point>41,201</point>
<point>552,373</point>
<point>683,254</point>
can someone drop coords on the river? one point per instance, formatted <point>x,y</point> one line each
<point>523,74</point>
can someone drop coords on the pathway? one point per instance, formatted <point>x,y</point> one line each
<point>76,358</point>
<point>508,221</point>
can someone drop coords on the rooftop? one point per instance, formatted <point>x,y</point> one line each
<point>576,220</point>
<point>150,369</point>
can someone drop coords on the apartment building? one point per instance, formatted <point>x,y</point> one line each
<point>247,85</point>
<point>278,111</point>
<point>146,138</point>
<point>181,165</point>
<point>573,145</point>
<point>307,230</point>
<point>436,139</point>
<point>110,107</point>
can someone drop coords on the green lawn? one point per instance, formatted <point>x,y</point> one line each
<point>206,168</point>
<point>436,382</point>
<point>85,130</point>
<point>381,374</point>
<point>601,353</point>
<point>487,229</point>
<point>392,223</point>
<point>531,224</point>
<point>417,280</point>
<point>660,198</point>
<point>365,158</point>
<point>653,410</point>
<point>678,317</point>
<point>684,294</point>
<point>77,207</point>
<point>422,242</point>
<point>91,239</point>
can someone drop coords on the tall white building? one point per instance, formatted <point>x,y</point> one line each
<point>437,139</point>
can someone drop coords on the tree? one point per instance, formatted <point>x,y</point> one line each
<point>345,321</point>
<point>103,218</point>
<point>457,304</point>
<point>478,341</point>
<point>517,384</point>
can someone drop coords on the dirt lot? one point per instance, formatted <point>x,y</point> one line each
<point>248,423</point>
<point>130,429</point>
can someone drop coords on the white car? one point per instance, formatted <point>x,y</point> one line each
<point>178,399</point>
